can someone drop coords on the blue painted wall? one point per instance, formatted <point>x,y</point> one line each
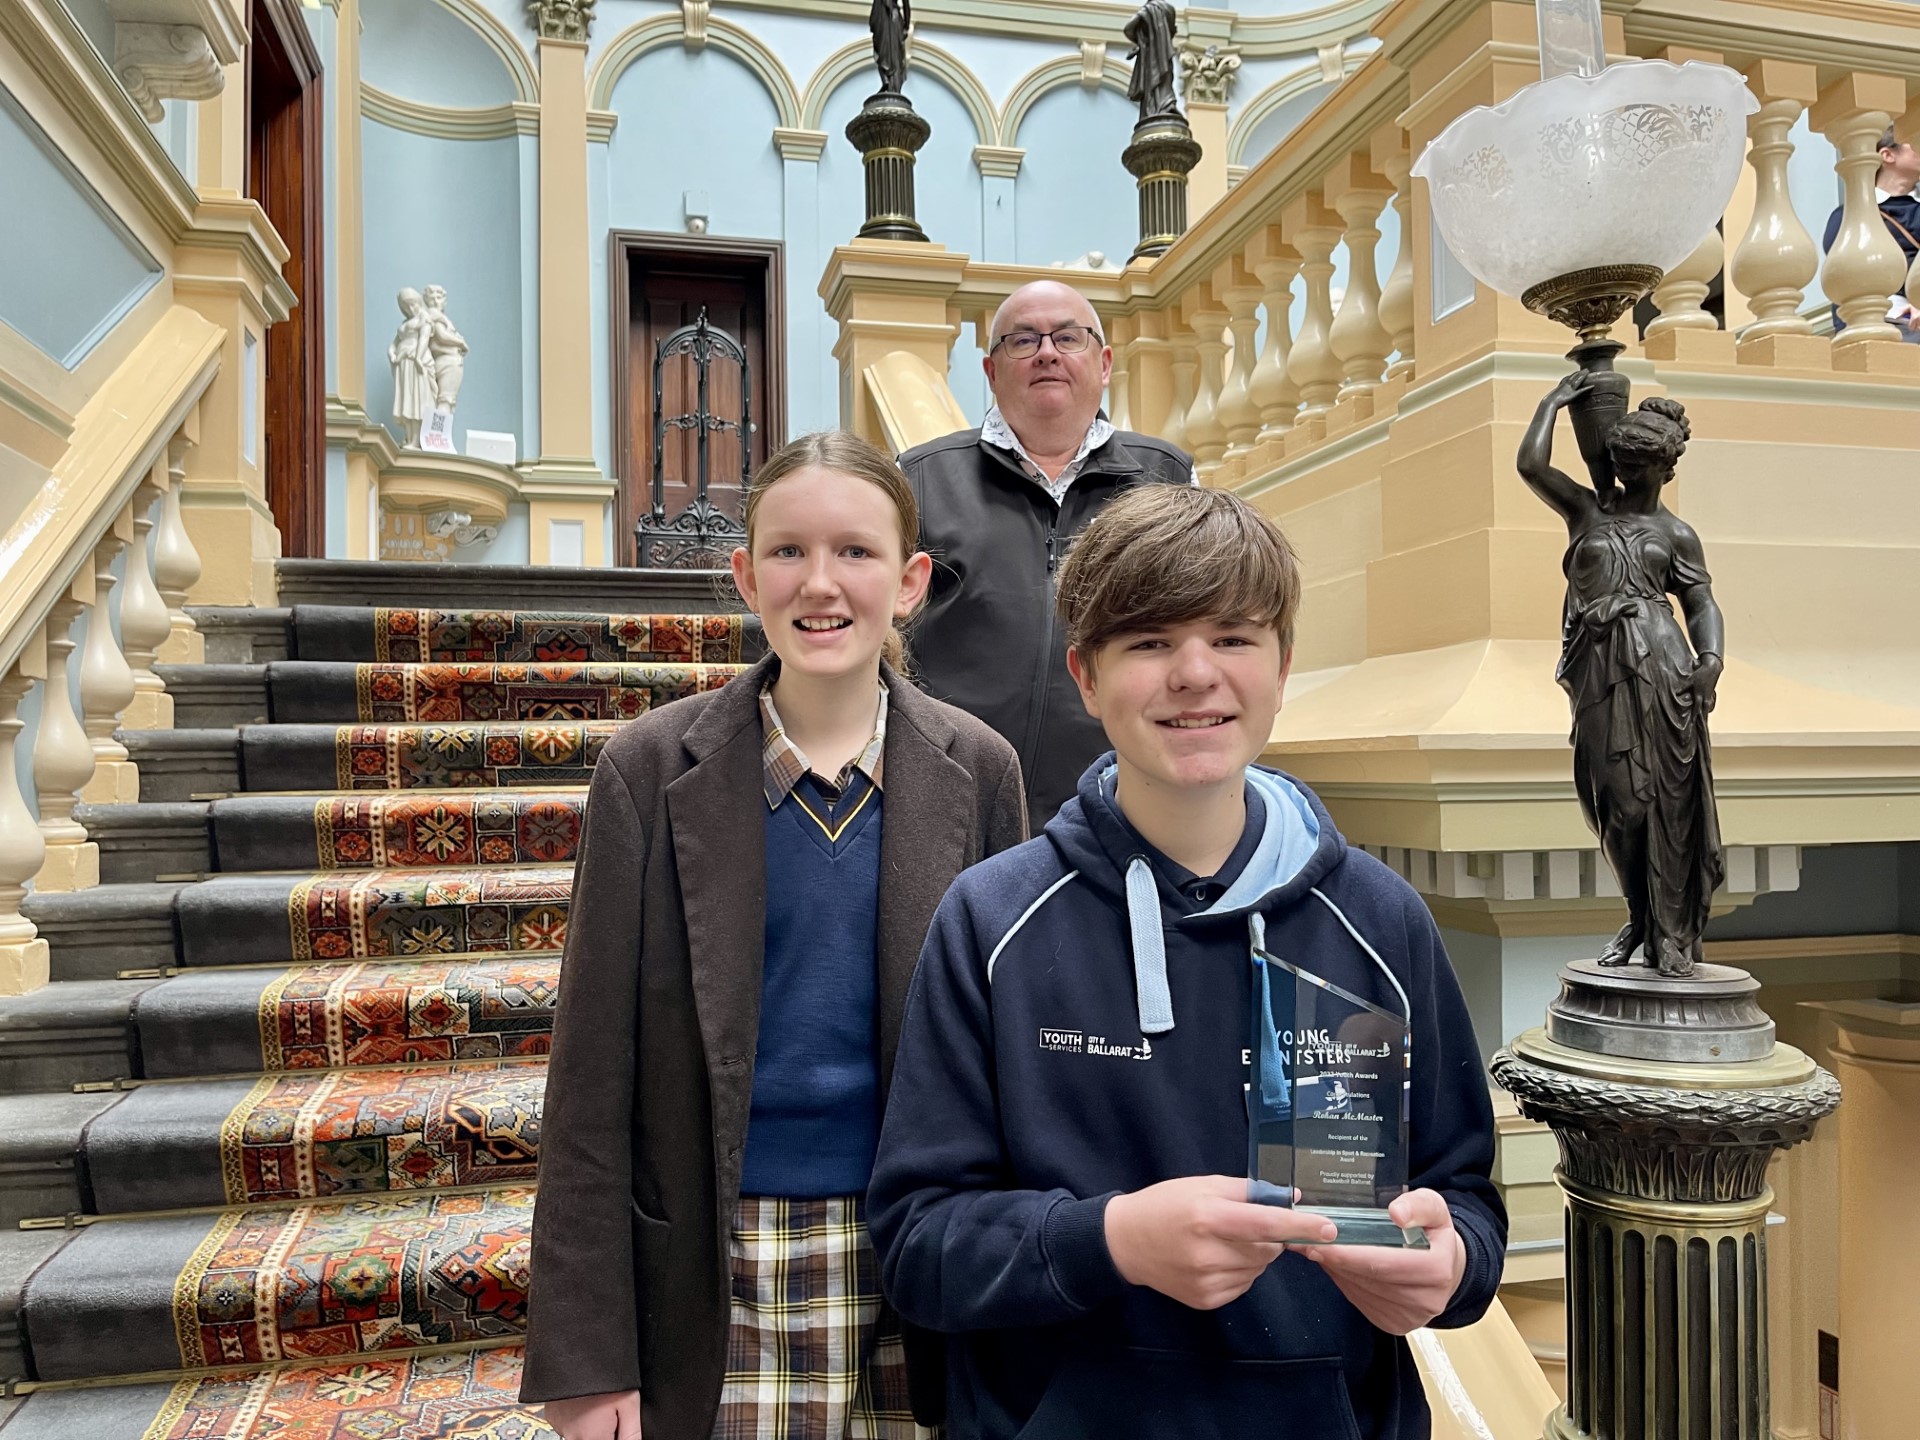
<point>1073,194</point>
<point>71,268</point>
<point>425,52</point>
<point>442,212</point>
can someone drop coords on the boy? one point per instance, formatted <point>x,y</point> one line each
<point>1061,1183</point>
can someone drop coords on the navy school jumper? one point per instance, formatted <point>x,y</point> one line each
<point>1063,1045</point>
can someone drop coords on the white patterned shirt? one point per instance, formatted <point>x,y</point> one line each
<point>997,433</point>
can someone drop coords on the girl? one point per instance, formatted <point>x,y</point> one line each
<point>735,977</point>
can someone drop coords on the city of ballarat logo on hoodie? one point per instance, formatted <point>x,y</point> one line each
<point>1078,1042</point>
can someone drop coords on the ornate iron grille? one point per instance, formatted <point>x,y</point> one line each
<point>700,537</point>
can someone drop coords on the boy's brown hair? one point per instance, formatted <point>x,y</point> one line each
<point>1163,555</point>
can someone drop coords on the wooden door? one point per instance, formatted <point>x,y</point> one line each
<point>284,176</point>
<point>667,287</point>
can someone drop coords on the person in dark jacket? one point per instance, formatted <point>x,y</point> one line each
<point>1894,190</point>
<point>756,877</point>
<point>1062,1181</point>
<point>999,507</point>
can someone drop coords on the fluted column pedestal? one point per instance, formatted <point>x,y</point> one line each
<point>889,133</point>
<point>1161,156</point>
<point>1663,1163</point>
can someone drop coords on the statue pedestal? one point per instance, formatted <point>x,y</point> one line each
<point>1161,156</point>
<point>888,133</point>
<point>1663,1162</point>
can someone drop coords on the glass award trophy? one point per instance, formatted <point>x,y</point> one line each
<point>1327,1103</point>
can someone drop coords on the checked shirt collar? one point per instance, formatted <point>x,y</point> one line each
<point>783,762</point>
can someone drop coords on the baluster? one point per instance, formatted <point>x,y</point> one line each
<point>1314,231</point>
<point>145,624</point>
<point>1776,258</point>
<point>1238,410</point>
<point>106,687</point>
<point>1206,436</point>
<point>176,564</point>
<point>1864,266</point>
<point>23,954</point>
<point>1120,382</point>
<point>63,758</point>
<point>1186,361</point>
<point>1681,289</point>
<point>1359,341</point>
<point>1275,263</point>
<point>1393,158</point>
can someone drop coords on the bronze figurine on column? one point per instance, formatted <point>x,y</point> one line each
<point>887,131</point>
<point>1163,151</point>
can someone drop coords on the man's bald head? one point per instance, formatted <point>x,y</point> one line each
<point>1048,398</point>
<point>1053,295</point>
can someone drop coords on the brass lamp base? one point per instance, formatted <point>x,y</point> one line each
<point>1589,301</point>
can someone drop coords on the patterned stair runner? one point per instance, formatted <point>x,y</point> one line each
<point>316,1223</point>
<point>304,692</point>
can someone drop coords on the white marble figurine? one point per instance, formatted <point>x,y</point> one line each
<point>449,349</point>
<point>410,354</point>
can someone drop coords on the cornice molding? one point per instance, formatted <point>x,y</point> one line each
<point>1072,21</point>
<point>1000,160</point>
<point>805,145</point>
<point>448,122</point>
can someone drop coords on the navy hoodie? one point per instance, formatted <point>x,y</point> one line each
<point>1074,1031</point>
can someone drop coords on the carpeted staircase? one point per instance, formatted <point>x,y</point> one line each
<point>273,1130</point>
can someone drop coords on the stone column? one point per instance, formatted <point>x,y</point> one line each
<point>346,286</point>
<point>106,683</point>
<point>565,486</point>
<point>176,564</point>
<point>1206,437</point>
<point>1120,338</point>
<point>1149,372</point>
<point>1186,366</point>
<point>800,152</point>
<point>1274,263</point>
<point>888,296</point>
<point>1878,1060</point>
<point>145,625</point>
<point>1393,159</point>
<point>1238,411</point>
<point>1357,338</point>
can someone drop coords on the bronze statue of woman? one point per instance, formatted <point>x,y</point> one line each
<point>889,20</point>
<point>1640,686</point>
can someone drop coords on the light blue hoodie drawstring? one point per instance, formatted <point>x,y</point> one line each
<point>1149,949</point>
<point>1275,1089</point>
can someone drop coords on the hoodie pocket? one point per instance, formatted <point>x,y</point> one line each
<point>1172,1395</point>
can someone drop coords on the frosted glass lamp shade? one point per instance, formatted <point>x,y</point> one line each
<point>1629,167</point>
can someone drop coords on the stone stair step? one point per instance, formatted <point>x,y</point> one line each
<point>309,1136</point>
<point>140,843</point>
<point>349,915</point>
<point>281,758</point>
<point>243,634</point>
<point>317,1017</point>
<point>178,765</point>
<point>469,1392</point>
<point>384,1274</point>
<point>39,1147</point>
<point>339,632</point>
<point>398,830</point>
<point>22,1252</point>
<point>72,1032</point>
<point>211,697</point>
<point>314,692</point>
<point>96,934</point>
<point>520,587</point>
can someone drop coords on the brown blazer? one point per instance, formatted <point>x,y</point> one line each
<point>649,1086</point>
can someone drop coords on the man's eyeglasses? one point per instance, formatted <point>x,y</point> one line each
<point>1067,340</point>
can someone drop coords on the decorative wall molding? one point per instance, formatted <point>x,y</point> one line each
<point>1052,75</point>
<point>929,59</point>
<point>1002,160</point>
<point>1073,22</point>
<point>1093,63</point>
<point>808,145</point>
<point>165,62</point>
<point>693,23</point>
<point>1207,75</point>
<point>659,31</point>
<point>1295,82</point>
<point>1524,876</point>
<point>448,122</point>
<point>503,42</point>
<point>566,20</point>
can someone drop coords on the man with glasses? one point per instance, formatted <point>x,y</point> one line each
<point>999,506</point>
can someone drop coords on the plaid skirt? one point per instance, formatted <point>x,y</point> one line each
<point>813,1351</point>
